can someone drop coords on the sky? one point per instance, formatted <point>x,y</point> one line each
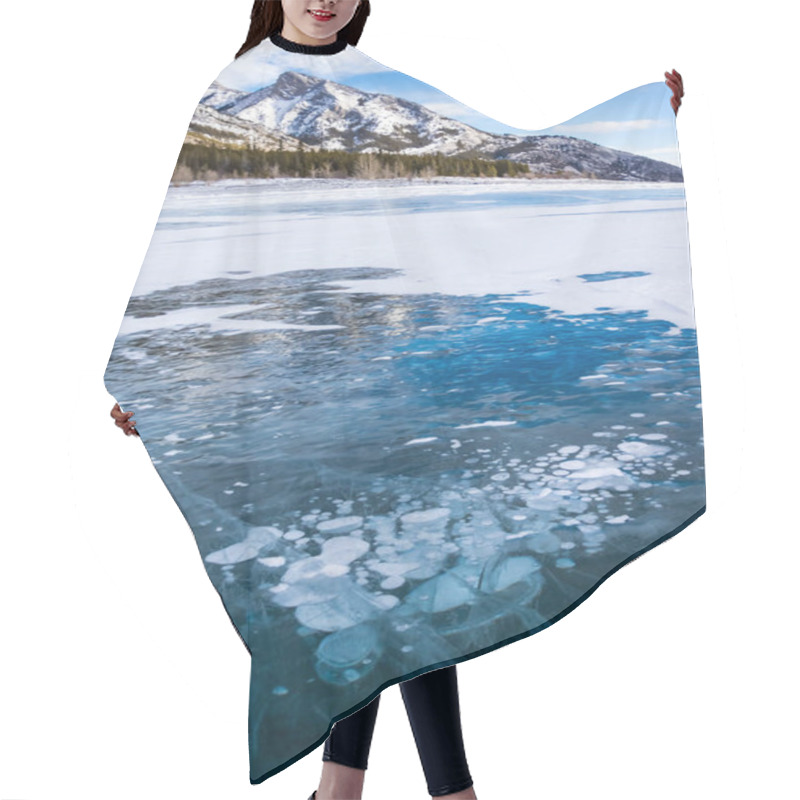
<point>639,121</point>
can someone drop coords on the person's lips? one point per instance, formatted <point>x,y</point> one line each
<point>321,15</point>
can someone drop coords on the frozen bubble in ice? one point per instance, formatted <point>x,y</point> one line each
<point>280,690</point>
<point>593,538</point>
<point>508,571</point>
<point>643,449</point>
<point>272,561</point>
<point>543,542</point>
<point>334,570</point>
<point>599,473</point>
<point>256,539</point>
<point>564,563</point>
<point>589,528</point>
<point>654,436</point>
<point>345,655</point>
<point>572,465</point>
<point>430,559</point>
<point>266,534</point>
<point>395,567</point>
<point>618,520</point>
<point>383,526</point>
<point>305,569</point>
<point>488,424</point>
<point>344,549</point>
<point>441,593</point>
<point>568,450</point>
<point>543,500</point>
<point>392,582</point>
<point>290,595</point>
<point>340,524</point>
<point>427,517</point>
<point>350,606</point>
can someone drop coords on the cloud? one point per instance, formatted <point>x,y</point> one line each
<point>604,126</point>
<point>263,65</point>
<point>668,154</point>
<point>660,151</point>
<point>453,110</point>
<point>354,62</point>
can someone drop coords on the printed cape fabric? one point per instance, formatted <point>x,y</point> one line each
<point>419,381</point>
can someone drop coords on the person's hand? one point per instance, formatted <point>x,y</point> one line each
<point>122,419</point>
<point>675,82</point>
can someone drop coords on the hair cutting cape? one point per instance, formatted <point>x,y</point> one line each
<point>418,381</point>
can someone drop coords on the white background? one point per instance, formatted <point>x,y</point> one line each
<point>121,674</point>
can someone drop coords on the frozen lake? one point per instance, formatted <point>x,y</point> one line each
<point>408,422</point>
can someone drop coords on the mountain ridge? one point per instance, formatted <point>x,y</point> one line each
<point>299,111</point>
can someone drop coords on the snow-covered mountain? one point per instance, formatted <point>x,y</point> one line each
<point>209,126</point>
<point>325,115</point>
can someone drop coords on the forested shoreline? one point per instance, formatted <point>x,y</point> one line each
<point>206,162</point>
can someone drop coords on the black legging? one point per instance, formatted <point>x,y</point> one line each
<point>431,701</point>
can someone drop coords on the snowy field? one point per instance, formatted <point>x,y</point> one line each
<point>509,234</point>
